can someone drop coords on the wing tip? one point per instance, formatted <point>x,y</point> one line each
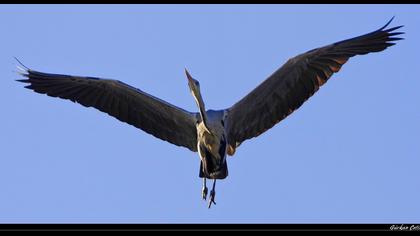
<point>389,22</point>
<point>390,32</point>
<point>23,80</point>
<point>391,29</point>
<point>22,69</point>
<point>22,66</point>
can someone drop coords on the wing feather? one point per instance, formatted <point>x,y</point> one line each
<point>126,103</point>
<point>297,80</point>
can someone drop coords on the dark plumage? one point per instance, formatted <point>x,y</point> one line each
<point>215,132</point>
<point>126,103</point>
<point>297,80</point>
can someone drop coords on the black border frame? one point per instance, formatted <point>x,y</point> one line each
<point>209,227</point>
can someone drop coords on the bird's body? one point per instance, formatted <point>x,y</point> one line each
<point>214,133</point>
<point>212,146</point>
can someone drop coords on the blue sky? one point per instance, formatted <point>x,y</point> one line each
<point>350,154</point>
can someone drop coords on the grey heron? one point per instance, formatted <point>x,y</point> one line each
<point>214,134</point>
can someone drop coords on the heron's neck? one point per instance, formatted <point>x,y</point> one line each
<point>202,109</point>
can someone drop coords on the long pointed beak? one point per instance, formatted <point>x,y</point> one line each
<point>189,77</point>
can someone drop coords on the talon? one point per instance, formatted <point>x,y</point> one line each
<point>212,196</point>
<point>204,193</point>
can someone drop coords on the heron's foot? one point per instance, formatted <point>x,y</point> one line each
<point>204,193</point>
<point>212,196</point>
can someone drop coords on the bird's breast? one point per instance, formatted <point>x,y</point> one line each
<point>212,141</point>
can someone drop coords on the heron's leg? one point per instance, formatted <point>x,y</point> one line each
<point>204,190</point>
<point>212,194</point>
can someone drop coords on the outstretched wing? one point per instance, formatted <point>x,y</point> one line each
<point>121,101</point>
<point>297,80</point>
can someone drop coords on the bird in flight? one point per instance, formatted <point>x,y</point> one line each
<point>214,134</point>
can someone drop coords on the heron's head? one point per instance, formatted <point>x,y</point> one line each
<point>193,84</point>
<point>195,91</point>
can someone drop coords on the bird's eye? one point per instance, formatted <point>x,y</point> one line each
<point>197,84</point>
